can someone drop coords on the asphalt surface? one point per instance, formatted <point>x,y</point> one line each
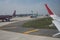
<point>17,27</point>
<point>7,35</point>
<point>14,31</point>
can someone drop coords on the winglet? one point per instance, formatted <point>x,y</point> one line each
<point>49,11</point>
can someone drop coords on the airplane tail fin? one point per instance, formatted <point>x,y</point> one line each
<point>14,13</point>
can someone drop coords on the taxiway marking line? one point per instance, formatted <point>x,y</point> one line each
<point>27,32</point>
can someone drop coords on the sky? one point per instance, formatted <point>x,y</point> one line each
<point>26,6</point>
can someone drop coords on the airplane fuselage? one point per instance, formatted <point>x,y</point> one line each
<point>5,17</point>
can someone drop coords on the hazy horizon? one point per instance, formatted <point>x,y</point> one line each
<point>25,6</point>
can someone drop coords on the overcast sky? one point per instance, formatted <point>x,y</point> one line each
<point>25,6</point>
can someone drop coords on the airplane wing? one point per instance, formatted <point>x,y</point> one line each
<point>56,19</point>
<point>57,24</point>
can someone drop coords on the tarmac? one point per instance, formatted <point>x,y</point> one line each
<point>16,19</point>
<point>5,35</point>
<point>11,35</point>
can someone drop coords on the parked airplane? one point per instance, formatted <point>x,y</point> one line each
<point>55,21</point>
<point>7,17</point>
